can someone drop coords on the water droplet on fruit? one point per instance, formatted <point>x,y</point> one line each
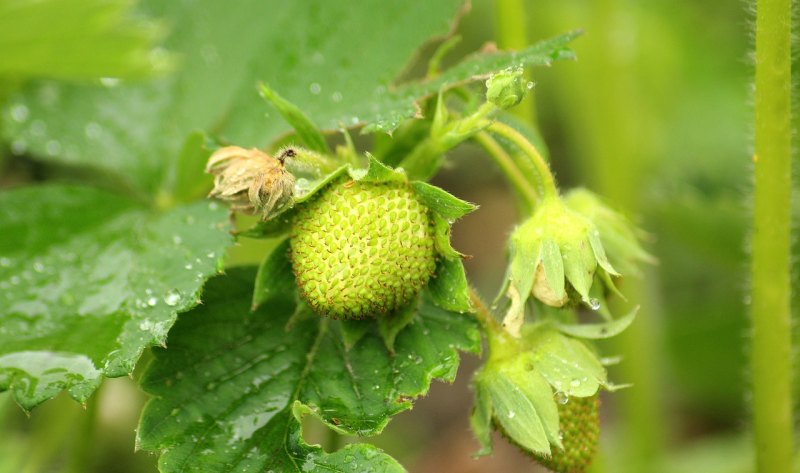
<point>529,85</point>
<point>511,414</point>
<point>315,88</point>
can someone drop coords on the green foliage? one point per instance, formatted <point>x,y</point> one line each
<point>89,279</point>
<point>76,39</point>
<point>232,385</point>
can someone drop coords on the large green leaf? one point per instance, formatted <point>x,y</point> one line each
<point>226,387</point>
<point>329,58</point>
<point>89,279</point>
<point>75,39</point>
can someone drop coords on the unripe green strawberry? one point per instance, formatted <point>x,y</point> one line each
<point>362,248</point>
<point>579,422</point>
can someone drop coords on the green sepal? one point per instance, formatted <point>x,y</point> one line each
<point>480,420</point>
<point>525,260</point>
<point>353,331</point>
<point>450,207</point>
<point>522,402</point>
<point>579,267</point>
<point>377,172</point>
<point>390,325</point>
<point>553,267</point>
<point>441,232</point>
<point>307,131</point>
<point>599,331</point>
<point>567,364</point>
<point>274,283</point>
<point>305,191</point>
<point>448,287</point>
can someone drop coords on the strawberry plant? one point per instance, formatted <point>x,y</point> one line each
<point>361,299</point>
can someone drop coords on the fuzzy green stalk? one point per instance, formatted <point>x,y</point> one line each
<point>525,189</point>
<point>547,182</point>
<point>771,238</point>
<point>511,33</point>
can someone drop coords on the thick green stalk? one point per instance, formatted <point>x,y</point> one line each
<point>511,33</point>
<point>771,290</point>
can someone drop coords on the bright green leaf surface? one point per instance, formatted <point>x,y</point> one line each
<point>225,386</point>
<point>89,279</point>
<point>75,39</point>
<point>330,59</point>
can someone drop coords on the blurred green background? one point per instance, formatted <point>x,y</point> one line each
<point>655,115</point>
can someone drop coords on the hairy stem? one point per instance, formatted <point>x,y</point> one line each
<point>517,179</point>
<point>541,167</point>
<point>485,318</point>
<point>511,33</point>
<point>771,290</point>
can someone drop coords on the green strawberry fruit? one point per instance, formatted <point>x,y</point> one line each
<point>579,422</point>
<point>360,249</point>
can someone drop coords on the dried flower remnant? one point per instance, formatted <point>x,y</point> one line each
<point>251,180</point>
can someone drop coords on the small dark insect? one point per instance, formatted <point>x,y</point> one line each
<point>251,180</point>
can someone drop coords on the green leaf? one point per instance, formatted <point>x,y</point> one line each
<point>449,287</point>
<point>308,132</point>
<point>599,331</point>
<point>567,364</point>
<point>186,180</point>
<point>333,61</point>
<point>448,206</point>
<point>223,389</point>
<point>274,280</point>
<point>401,104</point>
<point>76,39</point>
<point>89,279</point>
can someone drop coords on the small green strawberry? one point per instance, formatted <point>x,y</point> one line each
<point>579,423</point>
<point>361,248</point>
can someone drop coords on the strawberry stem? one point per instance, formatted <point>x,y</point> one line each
<point>771,239</point>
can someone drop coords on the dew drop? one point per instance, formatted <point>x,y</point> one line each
<point>529,85</point>
<point>152,301</point>
<point>52,147</point>
<point>172,298</point>
<point>511,414</point>
<point>5,262</point>
<point>336,96</point>
<point>19,113</point>
<point>188,266</point>
<point>93,130</point>
<point>575,383</point>
<point>177,239</point>
<point>562,398</point>
<point>594,304</point>
<point>315,88</point>
<point>38,267</point>
<point>19,146</point>
<point>109,81</point>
